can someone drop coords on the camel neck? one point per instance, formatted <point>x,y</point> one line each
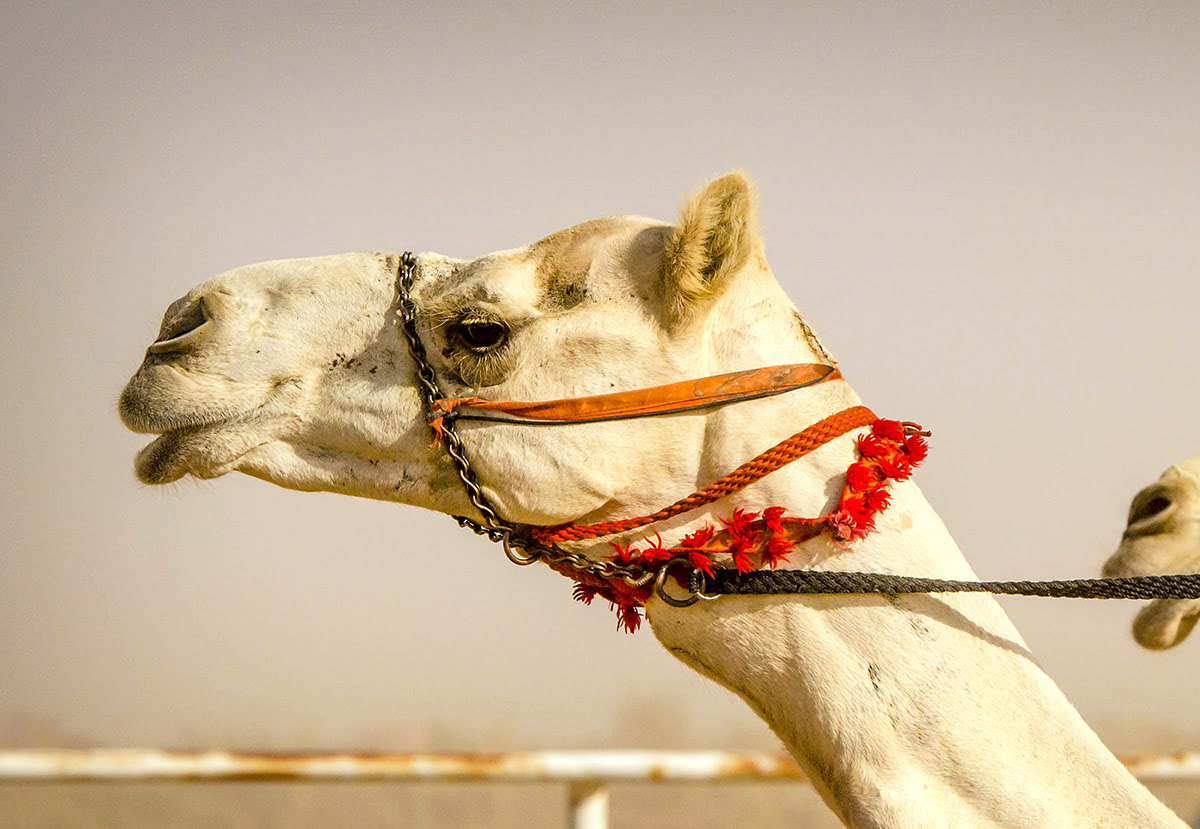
<point>904,707</point>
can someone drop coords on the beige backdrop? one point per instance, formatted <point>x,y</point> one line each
<point>993,218</point>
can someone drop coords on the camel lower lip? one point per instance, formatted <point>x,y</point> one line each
<point>205,447</point>
<point>161,461</point>
<point>166,459</point>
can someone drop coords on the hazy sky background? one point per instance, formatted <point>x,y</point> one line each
<point>991,215</point>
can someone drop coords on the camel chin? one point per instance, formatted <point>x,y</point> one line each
<point>1164,623</point>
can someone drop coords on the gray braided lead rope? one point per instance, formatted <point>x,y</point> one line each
<point>773,582</point>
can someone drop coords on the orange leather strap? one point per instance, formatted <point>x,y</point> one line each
<point>684,396</point>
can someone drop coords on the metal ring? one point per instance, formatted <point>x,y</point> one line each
<point>660,589</point>
<point>515,557</point>
<point>697,577</point>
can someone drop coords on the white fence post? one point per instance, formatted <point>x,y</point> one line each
<point>587,805</point>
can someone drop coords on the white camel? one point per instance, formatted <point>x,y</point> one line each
<point>914,710</point>
<point>1163,536</point>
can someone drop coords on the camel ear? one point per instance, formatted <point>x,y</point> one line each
<point>716,235</point>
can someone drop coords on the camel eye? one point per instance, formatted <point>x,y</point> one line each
<point>482,335</point>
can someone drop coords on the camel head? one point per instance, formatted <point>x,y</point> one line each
<point>297,371</point>
<point>1163,536</point>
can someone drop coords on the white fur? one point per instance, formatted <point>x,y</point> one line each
<point>918,711</point>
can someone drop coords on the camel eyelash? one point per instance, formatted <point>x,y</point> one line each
<point>480,334</point>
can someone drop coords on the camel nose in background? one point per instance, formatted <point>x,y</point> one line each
<point>181,325</point>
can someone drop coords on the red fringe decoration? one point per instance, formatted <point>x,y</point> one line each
<point>889,452</point>
<point>700,560</point>
<point>585,593</point>
<point>628,618</point>
<point>699,538</point>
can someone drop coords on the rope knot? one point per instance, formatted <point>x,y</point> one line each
<point>443,408</point>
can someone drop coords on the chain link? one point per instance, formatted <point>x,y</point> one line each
<point>493,527</point>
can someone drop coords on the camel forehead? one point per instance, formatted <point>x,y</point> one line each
<point>552,274</point>
<point>563,260</point>
<point>573,249</point>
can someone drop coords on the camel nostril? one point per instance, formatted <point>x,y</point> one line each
<point>182,318</point>
<point>1150,507</point>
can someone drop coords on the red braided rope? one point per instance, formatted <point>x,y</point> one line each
<point>783,453</point>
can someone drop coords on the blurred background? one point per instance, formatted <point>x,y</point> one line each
<point>991,215</point>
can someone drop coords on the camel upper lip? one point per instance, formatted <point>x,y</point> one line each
<point>139,418</point>
<point>199,424</point>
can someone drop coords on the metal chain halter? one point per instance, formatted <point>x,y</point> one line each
<point>519,549</point>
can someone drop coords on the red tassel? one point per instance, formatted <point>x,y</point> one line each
<point>700,561</point>
<point>872,446</point>
<point>854,504</point>
<point>778,548</point>
<point>699,538</point>
<point>740,550</point>
<point>896,466</point>
<point>585,593</point>
<point>773,518</point>
<point>739,524</point>
<point>652,557</point>
<point>628,618</point>
<point>917,449</point>
<point>653,546</point>
<point>864,528</point>
<point>863,476</point>
<point>877,500</point>
<point>888,429</point>
<point>626,554</point>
